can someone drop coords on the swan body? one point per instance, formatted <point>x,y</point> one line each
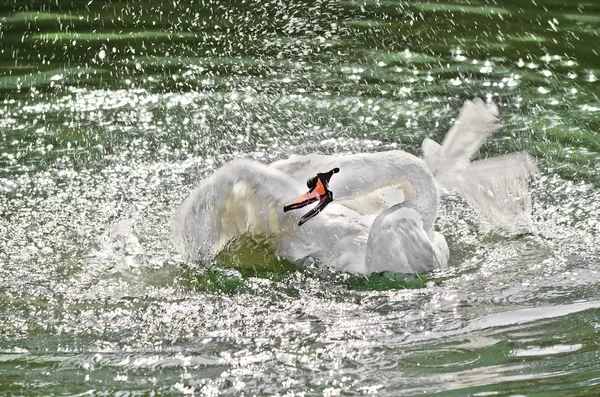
<point>385,204</point>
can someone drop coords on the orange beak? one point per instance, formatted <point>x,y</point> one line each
<point>318,191</point>
<point>307,198</point>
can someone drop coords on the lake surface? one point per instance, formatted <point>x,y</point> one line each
<point>111,112</point>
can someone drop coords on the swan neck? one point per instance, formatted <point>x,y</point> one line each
<point>420,193</point>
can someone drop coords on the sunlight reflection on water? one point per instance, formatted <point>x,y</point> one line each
<point>103,134</point>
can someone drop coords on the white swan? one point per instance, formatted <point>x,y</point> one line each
<point>385,204</point>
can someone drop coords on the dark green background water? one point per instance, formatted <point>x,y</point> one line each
<point>111,112</point>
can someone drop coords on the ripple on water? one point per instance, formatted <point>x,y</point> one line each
<point>76,267</point>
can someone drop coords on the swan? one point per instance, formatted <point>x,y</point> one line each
<point>384,208</point>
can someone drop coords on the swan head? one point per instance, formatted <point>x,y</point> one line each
<point>318,190</point>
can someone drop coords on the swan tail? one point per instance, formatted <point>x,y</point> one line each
<point>497,187</point>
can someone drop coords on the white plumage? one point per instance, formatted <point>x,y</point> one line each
<point>385,204</point>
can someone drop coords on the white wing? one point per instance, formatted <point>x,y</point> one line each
<point>476,122</point>
<point>497,187</point>
<point>242,196</point>
<point>398,243</point>
<point>498,190</point>
<point>302,167</point>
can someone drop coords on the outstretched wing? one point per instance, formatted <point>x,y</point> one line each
<point>476,122</point>
<point>498,189</point>
<point>243,196</point>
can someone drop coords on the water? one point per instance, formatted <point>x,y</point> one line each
<point>112,112</point>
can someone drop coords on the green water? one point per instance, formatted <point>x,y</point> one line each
<point>111,112</point>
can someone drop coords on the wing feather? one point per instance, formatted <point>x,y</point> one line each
<point>476,122</point>
<point>498,189</point>
<point>243,196</point>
